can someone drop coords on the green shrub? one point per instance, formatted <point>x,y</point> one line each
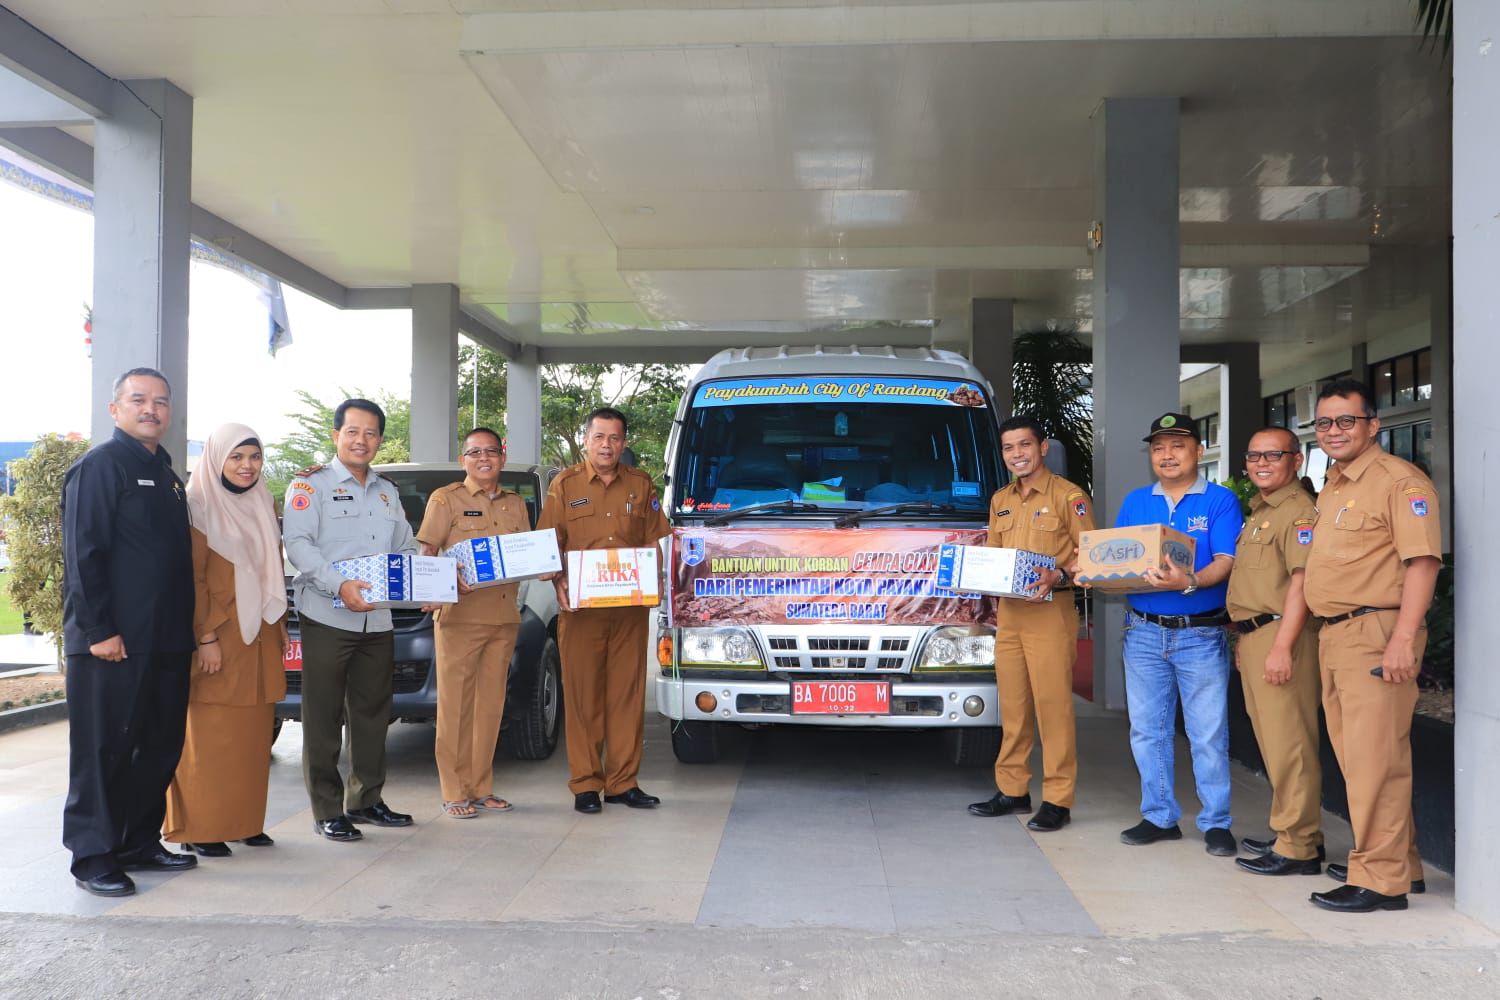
<point>34,531</point>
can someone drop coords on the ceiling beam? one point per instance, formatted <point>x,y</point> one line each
<point>488,330</point>
<point>35,57</point>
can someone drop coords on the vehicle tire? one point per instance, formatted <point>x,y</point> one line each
<point>695,742</point>
<point>971,746</point>
<point>533,733</point>
<point>276,730</point>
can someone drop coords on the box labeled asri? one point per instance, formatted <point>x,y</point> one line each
<point>491,560</point>
<point>1116,559</point>
<point>614,578</point>
<point>980,569</point>
<point>398,580</point>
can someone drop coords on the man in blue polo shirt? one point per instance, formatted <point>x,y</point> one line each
<point>1175,643</point>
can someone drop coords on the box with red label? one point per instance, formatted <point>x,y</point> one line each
<point>1116,559</point>
<point>614,578</point>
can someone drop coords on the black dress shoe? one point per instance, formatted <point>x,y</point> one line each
<point>1049,817</point>
<point>1147,832</point>
<point>1272,863</point>
<point>1357,899</point>
<point>634,798</point>
<point>587,802</point>
<point>337,829</point>
<point>109,884</point>
<point>1340,873</point>
<point>380,814</point>
<point>1001,804</point>
<point>157,859</point>
<point>217,849</point>
<point>1219,842</point>
<point>1259,848</point>
<point>259,840</point>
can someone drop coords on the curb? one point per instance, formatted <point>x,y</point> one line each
<point>33,715</point>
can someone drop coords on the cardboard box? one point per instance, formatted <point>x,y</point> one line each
<point>1116,559</point>
<point>980,569</point>
<point>401,581</point>
<point>614,578</point>
<point>495,559</point>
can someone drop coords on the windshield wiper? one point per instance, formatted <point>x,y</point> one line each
<point>788,504</point>
<point>854,517</point>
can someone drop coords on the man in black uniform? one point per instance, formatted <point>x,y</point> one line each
<point>128,637</point>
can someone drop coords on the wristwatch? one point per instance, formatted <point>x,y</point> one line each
<point>1192,587</point>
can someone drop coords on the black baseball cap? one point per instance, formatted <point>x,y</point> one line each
<point>1173,423</point>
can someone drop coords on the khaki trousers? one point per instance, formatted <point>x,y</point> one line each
<point>1285,718</point>
<point>1369,724</point>
<point>473,664</point>
<point>604,689</point>
<point>1035,646</point>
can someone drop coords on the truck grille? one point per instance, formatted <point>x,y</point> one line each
<point>827,647</point>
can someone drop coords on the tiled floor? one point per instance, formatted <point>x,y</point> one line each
<point>858,830</point>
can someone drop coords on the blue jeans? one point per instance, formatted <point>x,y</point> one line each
<point>1162,664</point>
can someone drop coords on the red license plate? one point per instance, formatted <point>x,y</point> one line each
<point>841,698</point>
<point>293,658</point>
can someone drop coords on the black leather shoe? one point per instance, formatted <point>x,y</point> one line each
<point>380,814</point>
<point>157,859</point>
<point>108,884</point>
<point>1260,848</point>
<point>1219,842</point>
<point>337,829</point>
<point>259,840</point>
<point>1357,899</point>
<point>1049,817</point>
<point>1147,832</point>
<point>1340,873</point>
<point>1272,863</point>
<point>1001,804</point>
<point>634,798</point>
<point>218,849</point>
<point>587,802</point>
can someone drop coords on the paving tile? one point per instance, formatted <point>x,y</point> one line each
<point>967,909</point>
<point>793,904</point>
<point>605,902</point>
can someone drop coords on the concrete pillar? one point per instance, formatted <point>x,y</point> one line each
<point>1440,297</point>
<point>1476,427</point>
<point>523,408</point>
<point>434,373</point>
<point>1137,328</point>
<point>1240,410</point>
<point>143,168</point>
<point>992,348</point>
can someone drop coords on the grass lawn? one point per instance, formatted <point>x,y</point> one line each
<point>10,617</point>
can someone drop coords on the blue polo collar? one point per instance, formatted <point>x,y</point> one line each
<point>1200,485</point>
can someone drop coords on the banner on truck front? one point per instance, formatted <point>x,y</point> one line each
<point>808,576</point>
<point>838,389</point>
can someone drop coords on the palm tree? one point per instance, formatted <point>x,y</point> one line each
<point>1436,17</point>
<point>1053,382</point>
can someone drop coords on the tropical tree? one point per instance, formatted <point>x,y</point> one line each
<point>32,517</point>
<point>1436,19</point>
<point>1053,382</point>
<point>312,442</point>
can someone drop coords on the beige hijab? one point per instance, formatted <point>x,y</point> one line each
<point>242,528</point>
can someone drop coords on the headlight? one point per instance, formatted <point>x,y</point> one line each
<point>706,647</point>
<point>953,648</point>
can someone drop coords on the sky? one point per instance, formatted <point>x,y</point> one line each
<point>46,277</point>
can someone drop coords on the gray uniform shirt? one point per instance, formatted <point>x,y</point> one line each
<point>330,516</point>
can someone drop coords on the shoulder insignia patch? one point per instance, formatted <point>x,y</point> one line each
<point>1419,506</point>
<point>1081,508</point>
<point>1304,536</point>
<point>300,501</point>
<point>1414,491</point>
<point>579,502</point>
<point>1076,495</point>
<point>305,487</point>
<point>315,467</point>
<point>655,504</point>
<point>1303,520</point>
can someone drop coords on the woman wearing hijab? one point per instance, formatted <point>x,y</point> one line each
<point>219,792</point>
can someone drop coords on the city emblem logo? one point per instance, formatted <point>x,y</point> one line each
<point>1304,536</point>
<point>300,501</point>
<point>1419,506</point>
<point>693,551</point>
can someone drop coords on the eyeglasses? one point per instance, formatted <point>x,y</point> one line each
<point>1266,456</point>
<point>1345,421</point>
<point>486,452</point>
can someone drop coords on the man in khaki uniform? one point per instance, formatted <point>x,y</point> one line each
<point>1036,640</point>
<point>1376,552</point>
<point>1277,654</point>
<point>476,636</point>
<point>601,504</point>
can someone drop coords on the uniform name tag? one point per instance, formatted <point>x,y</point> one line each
<point>344,496</point>
<point>578,503</point>
<point>473,513</point>
<point>145,482</point>
<point>1002,513</point>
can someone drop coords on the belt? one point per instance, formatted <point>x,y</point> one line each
<point>1357,612</point>
<point>1251,624</point>
<point>1218,616</point>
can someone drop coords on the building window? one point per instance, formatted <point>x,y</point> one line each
<point>1412,442</point>
<point>1281,410</point>
<point>1208,430</point>
<point>1402,380</point>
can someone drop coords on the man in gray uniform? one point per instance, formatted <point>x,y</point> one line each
<point>341,511</point>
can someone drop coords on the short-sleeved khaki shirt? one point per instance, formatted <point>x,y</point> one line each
<point>1273,544</point>
<point>590,515</point>
<point>465,510</point>
<point>1375,513</point>
<point>1046,519</point>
